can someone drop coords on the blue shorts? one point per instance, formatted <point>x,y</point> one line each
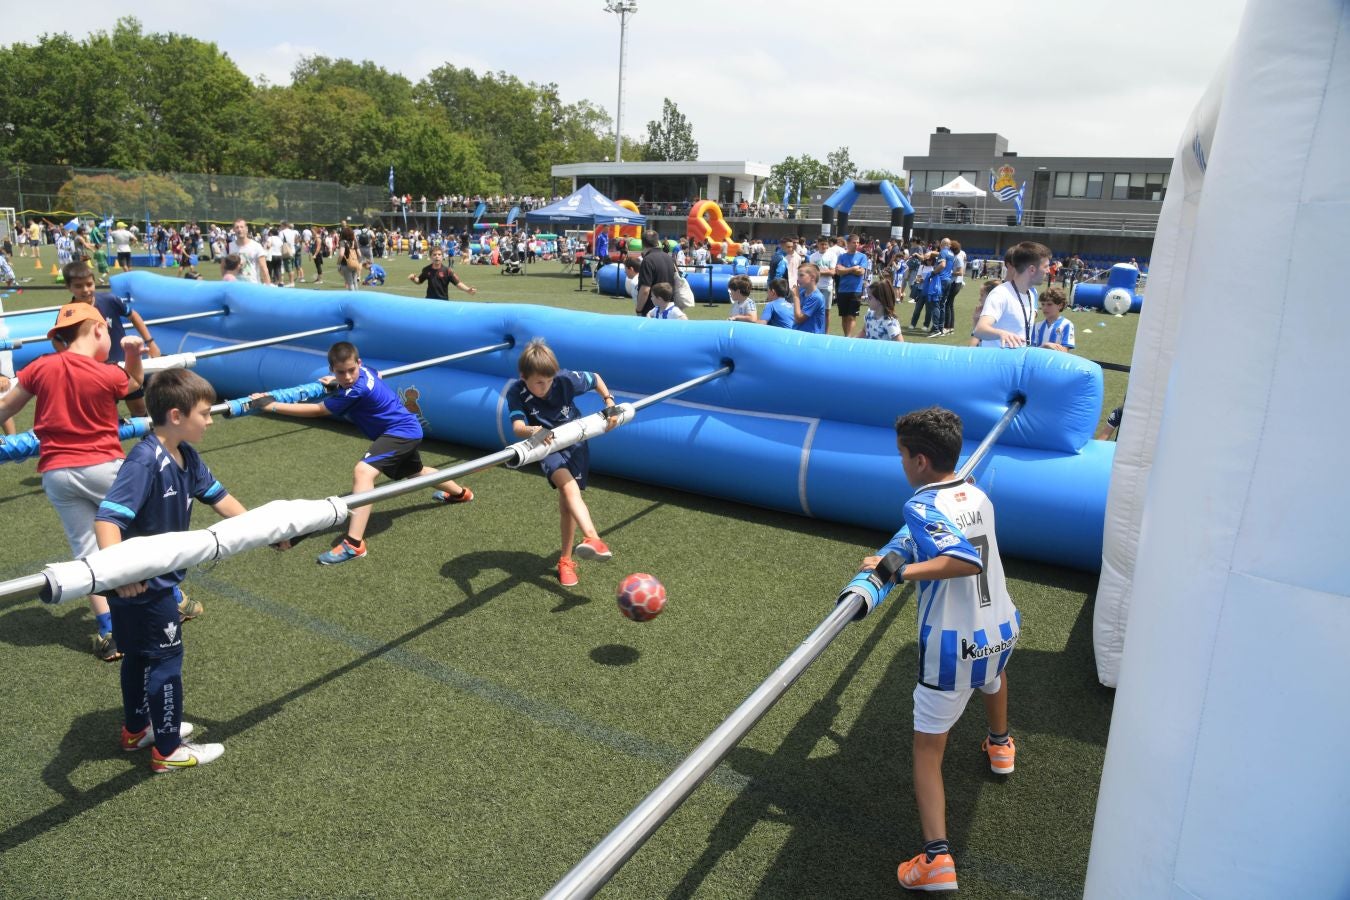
<point>147,625</point>
<point>575,459</point>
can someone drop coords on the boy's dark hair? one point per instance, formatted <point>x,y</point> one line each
<point>933,432</point>
<point>1056,296</point>
<point>179,389</point>
<point>76,271</point>
<point>780,287</point>
<point>537,359</point>
<point>1025,254</point>
<point>740,284</point>
<point>632,262</point>
<point>231,263</point>
<point>651,239</point>
<point>342,351</point>
<point>663,291</point>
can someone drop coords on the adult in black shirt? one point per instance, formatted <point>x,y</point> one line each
<point>439,277</point>
<point>657,266</point>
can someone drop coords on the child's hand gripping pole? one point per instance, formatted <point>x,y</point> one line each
<point>301,393</point>
<point>542,443</point>
<point>872,587</point>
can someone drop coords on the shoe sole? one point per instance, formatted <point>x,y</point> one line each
<point>997,771</point>
<point>585,551</point>
<point>929,887</point>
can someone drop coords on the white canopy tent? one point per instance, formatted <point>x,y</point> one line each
<point>959,190</point>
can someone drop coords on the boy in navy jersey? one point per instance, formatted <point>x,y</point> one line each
<point>367,402</point>
<point>79,278</point>
<point>543,398</point>
<point>968,625</point>
<point>153,494</point>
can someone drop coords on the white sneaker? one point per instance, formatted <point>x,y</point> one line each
<point>185,757</point>
<point>140,740</point>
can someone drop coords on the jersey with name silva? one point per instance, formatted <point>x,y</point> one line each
<point>153,495</point>
<point>373,407</point>
<point>967,626</point>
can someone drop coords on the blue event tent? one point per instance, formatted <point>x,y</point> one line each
<point>586,206</point>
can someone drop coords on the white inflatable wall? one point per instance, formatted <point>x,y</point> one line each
<point>1154,348</point>
<point>1226,772</point>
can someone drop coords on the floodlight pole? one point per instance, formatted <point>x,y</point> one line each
<point>600,865</point>
<point>623,8</point>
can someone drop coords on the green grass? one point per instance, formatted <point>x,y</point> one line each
<point>443,719</point>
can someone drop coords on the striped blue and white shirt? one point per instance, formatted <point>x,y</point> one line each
<point>1058,332</point>
<point>967,626</point>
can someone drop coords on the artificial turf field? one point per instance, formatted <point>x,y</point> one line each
<point>443,719</point>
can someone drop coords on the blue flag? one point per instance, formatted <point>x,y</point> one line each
<point>439,207</point>
<point>391,181</point>
<point>787,190</point>
<point>479,210</point>
<point>511,216</point>
<point>799,193</point>
<point>1017,201</point>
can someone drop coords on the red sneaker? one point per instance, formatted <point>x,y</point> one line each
<point>593,548</point>
<point>567,573</point>
<point>918,874</point>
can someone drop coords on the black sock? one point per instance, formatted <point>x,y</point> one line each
<point>999,738</point>
<point>933,848</point>
<point>355,542</point>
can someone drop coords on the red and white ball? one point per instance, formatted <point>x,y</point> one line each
<point>641,597</point>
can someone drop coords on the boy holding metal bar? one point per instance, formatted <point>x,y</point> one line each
<point>540,400</point>
<point>968,624</point>
<point>79,280</point>
<point>364,399</point>
<point>153,494</point>
<point>76,423</point>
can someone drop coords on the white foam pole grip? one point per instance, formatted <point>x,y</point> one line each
<point>146,557</point>
<point>533,448</point>
<point>170,361</point>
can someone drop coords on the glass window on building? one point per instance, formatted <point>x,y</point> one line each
<point>1121,189</point>
<point>1094,185</point>
<point>971,176</point>
<point>1062,184</point>
<point>1155,186</point>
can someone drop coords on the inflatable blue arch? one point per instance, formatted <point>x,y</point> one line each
<point>804,423</point>
<point>834,212</point>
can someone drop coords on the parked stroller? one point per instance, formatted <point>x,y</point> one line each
<point>511,264</point>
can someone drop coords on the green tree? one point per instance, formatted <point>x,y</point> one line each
<point>883,175</point>
<point>392,92</point>
<point>804,170</point>
<point>840,166</point>
<point>670,137</point>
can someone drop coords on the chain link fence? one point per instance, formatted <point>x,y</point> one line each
<point>65,191</point>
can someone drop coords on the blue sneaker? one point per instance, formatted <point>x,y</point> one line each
<point>341,553</point>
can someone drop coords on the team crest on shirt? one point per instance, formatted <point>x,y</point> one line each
<point>411,397</point>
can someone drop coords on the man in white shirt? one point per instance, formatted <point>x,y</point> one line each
<point>122,240</point>
<point>825,256</point>
<point>252,256</point>
<point>1009,310</point>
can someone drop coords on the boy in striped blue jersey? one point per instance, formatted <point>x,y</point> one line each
<point>1053,332</point>
<point>968,624</point>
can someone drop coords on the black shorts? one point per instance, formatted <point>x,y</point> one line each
<point>147,625</point>
<point>848,304</point>
<point>575,459</point>
<point>124,259</point>
<point>395,457</point>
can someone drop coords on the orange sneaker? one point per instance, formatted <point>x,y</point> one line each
<point>464,496</point>
<point>567,573</point>
<point>918,874</point>
<point>1000,756</point>
<point>593,548</point>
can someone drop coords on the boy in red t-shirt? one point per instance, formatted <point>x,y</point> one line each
<point>76,423</point>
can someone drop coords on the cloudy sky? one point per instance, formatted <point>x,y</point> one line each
<point>1056,77</point>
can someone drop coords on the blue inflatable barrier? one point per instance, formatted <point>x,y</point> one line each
<point>1112,296</point>
<point>805,423</point>
<point>612,280</point>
